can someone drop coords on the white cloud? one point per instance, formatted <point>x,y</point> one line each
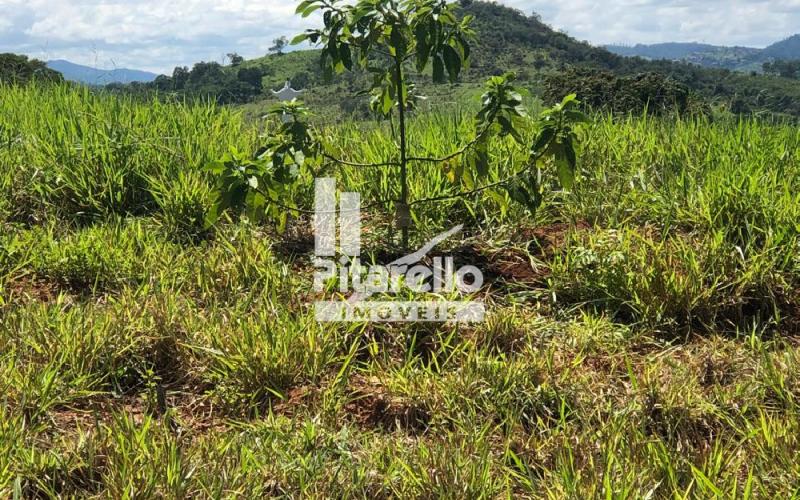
<point>146,34</point>
<point>158,35</point>
<point>754,23</point>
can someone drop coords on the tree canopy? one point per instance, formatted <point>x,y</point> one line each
<point>18,69</point>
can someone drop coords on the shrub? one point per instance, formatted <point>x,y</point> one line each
<point>653,92</point>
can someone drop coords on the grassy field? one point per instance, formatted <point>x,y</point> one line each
<point>641,339</point>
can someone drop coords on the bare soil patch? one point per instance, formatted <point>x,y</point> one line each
<point>372,405</point>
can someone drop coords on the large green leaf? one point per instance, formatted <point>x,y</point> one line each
<point>438,70</point>
<point>452,60</point>
<point>345,57</point>
<point>545,136</point>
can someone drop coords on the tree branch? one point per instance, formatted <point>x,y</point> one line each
<point>360,165</point>
<point>464,194</point>
<point>302,211</point>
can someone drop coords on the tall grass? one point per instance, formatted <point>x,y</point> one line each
<point>77,153</point>
<point>640,340</point>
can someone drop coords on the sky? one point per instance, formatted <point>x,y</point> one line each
<point>157,35</point>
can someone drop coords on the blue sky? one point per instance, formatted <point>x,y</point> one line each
<point>157,35</point>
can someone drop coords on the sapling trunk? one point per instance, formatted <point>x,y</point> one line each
<point>403,214</point>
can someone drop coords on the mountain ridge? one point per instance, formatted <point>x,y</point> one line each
<point>737,58</point>
<point>92,76</point>
<point>788,48</point>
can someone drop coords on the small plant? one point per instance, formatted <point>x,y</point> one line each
<point>182,202</point>
<point>388,38</point>
<point>264,184</point>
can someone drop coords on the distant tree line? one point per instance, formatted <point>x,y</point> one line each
<point>507,39</point>
<point>232,84</point>
<point>226,84</point>
<point>785,69</point>
<point>18,70</point>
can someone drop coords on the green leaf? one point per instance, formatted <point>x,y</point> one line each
<point>344,54</point>
<point>450,173</point>
<point>310,10</point>
<point>213,214</point>
<point>299,38</point>
<point>452,61</point>
<point>545,136</point>
<point>520,194</point>
<point>568,99</point>
<point>423,48</point>
<point>387,102</point>
<point>398,42</point>
<point>481,159</point>
<point>459,172</point>
<point>468,178</point>
<point>508,128</point>
<point>438,70</point>
<point>498,198</point>
<point>255,202</point>
<point>465,48</point>
<point>566,175</point>
<point>216,167</point>
<point>303,6</point>
<point>569,153</point>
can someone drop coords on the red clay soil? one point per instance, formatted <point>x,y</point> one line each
<point>371,405</point>
<point>545,241</point>
<point>27,289</point>
<point>513,265</point>
<point>191,413</point>
<point>296,398</point>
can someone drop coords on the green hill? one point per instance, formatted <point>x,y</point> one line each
<point>785,49</point>
<point>507,40</point>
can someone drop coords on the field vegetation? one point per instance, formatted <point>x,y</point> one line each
<point>641,338</point>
